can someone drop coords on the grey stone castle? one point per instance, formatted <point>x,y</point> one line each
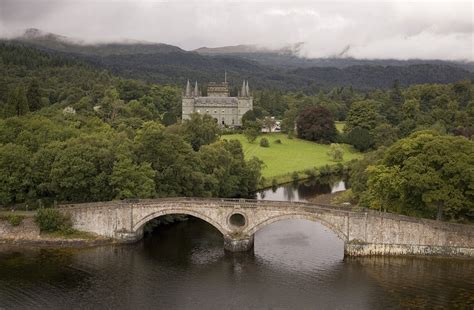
<point>218,103</point>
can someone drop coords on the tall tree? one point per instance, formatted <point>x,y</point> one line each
<point>316,124</point>
<point>34,96</point>
<point>200,130</point>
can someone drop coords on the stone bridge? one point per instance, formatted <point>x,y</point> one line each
<point>364,232</point>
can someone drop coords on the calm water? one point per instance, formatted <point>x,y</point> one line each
<point>302,191</point>
<point>296,264</point>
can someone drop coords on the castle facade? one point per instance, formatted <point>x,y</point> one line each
<point>226,110</point>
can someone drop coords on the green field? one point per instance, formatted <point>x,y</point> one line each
<point>292,155</point>
<point>340,126</point>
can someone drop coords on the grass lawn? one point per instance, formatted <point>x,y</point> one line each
<point>292,155</point>
<point>340,126</point>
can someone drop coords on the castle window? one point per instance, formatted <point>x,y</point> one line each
<point>207,111</point>
<point>215,111</point>
<point>223,111</point>
<point>232,121</point>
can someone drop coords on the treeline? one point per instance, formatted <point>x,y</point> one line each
<point>77,158</point>
<point>31,80</point>
<point>176,66</point>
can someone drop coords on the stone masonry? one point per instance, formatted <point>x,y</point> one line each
<point>364,232</point>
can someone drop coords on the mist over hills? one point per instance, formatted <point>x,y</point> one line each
<point>265,68</point>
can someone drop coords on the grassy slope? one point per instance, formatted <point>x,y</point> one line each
<point>292,155</point>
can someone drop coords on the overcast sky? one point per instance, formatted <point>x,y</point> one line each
<point>428,29</point>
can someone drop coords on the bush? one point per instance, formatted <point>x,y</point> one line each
<point>360,138</point>
<point>277,141</point>
<point>251,133</point>
<point>274,183</point>
<point>312,173</point>
<point>51,220</point>
<point>13,219</point>
<point>264,142</point>
<point>336,152</point>
<point>291,134</point>
<point>295,176</point>
<point>344,197</point>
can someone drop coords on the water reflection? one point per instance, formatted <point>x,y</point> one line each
<point>296,264</point>
<point>303,190</point>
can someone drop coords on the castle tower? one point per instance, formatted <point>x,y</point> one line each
<point>187,93</point>
<point>196,90</point>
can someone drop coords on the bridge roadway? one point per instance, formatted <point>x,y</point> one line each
<point>364,232</point>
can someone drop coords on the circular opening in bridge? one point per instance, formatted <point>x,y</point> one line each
<point>237,220</point>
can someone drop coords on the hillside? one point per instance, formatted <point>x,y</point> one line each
<point>265,69</point>
<point>51,41</point>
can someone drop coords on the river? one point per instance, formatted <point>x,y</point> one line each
<point>302,191</point>
<point>296,264</point>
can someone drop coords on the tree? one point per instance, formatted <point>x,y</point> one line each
<point>111,105</point>
<point>33,95</point>
<point>316,124</point>
<point>17,103</point>
<point>363,114</point>
<point>336,152</point>
<point>131,180</point>
<point>384,135</point>
<point>15,173</point>
<point>392,106</point>
<point>248,118</point>
<point>269,123</point>
<point>251,131</point>
<point>169,119</point>
<point>426,174</point>
<point>360,138</point>
<point>200,130</point>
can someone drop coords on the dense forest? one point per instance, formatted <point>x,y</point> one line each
<point>161,63</point>
<point>73,131</point>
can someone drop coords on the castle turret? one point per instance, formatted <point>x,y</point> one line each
<point>243,92</point>
<point>188,90</point>
<point>196,91</point>
<point>247,90</point>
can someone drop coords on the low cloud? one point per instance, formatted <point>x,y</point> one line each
<point>362,29</point>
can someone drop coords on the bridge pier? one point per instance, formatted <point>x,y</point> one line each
<point>238,244</point>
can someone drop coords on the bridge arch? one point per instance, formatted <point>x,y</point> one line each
<point>143,220</point>
<point>305,216</point>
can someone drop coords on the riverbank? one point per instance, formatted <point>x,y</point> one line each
<point>27,233</point>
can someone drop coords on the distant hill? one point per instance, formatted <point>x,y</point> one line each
<point>60,43</point>
<point>288,57</point>
<point>265,68</point>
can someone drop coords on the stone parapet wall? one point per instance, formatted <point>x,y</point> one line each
<point>27,230</point>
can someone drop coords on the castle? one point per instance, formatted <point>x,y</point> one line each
<point>226,110</point>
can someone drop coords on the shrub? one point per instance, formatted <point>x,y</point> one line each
<point>13,219</point>
<point>336,152</point>
<point>277,141</point>
<point>264,142</point>
<point>295,176</point>
<point>291,134</point>
<point>51,220</point>
<point>344,197</point>
<point>274,183</point>
<point>360,138</point>
<point>312,173</point>
<point>251,133</point>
